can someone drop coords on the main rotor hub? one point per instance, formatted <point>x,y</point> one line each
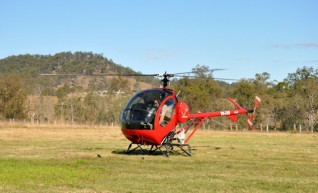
<point>165,80</point>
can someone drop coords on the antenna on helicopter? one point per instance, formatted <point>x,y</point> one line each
<point>178,93</point>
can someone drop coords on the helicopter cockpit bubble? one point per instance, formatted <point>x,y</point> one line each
<point>140,111</point>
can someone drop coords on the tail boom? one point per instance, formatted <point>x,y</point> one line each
<point>231,114</point>
<point>199,118</point>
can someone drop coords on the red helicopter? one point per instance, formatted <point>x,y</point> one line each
<point>151,117</point>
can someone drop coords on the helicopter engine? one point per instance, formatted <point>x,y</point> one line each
<point>182,112</point>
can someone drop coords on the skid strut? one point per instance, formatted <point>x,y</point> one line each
<point>186,148</point>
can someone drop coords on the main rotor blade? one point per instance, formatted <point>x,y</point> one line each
<point>99,75</point>
<point>58,74</point>
<point>224,79</point>
<point>124,75</point>
<point>193,72</point>
<point>180,74</point>
<point>211,78</point>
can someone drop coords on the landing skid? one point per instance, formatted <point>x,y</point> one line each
<point>170,149</point>
<point>166,149</point>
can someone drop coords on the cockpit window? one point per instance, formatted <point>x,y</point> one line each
<point>140,110</point>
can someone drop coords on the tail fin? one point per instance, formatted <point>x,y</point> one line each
<point>250,117</point>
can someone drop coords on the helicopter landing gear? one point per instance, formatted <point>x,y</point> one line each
<point>129,150</point>
<point>169,145</point>
<point>166,149</point>
<point>140,149</point>
<point>186,148</point>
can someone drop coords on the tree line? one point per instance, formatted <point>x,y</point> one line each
<point>294,101</point>
<point>26,96</point>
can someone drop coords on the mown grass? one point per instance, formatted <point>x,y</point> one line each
<point>53,159</point>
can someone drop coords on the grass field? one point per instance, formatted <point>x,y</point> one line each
<point>64,159</point>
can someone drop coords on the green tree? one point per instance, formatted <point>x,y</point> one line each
<point>308,90</point>
<point>301,74</point>
<point>244,91</point>
<point>12,98</point>
<point>90,107</point>
<point>119,83</point>
<point>201,91</point>
<point>202,71</point>
<point>303,84</point>
<point>62,92</point>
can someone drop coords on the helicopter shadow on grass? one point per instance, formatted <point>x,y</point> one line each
<point>137,152</point>
<point>158,151</point>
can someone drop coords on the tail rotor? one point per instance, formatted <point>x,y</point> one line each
<point>250,115</point>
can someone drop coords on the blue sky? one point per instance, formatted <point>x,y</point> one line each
<point>153,36</point>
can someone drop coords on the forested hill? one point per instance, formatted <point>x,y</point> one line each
<point>83,63</point>
<point>28,67</point>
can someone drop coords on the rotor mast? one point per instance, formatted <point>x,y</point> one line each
<point>165,80</point>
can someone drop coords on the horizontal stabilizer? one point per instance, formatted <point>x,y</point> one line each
<point>232,118</point>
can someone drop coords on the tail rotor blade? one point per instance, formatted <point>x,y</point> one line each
<point>250,117</point>
<point>257,102</point>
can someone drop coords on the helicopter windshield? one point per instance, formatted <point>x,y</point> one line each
<point>140,110</point>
